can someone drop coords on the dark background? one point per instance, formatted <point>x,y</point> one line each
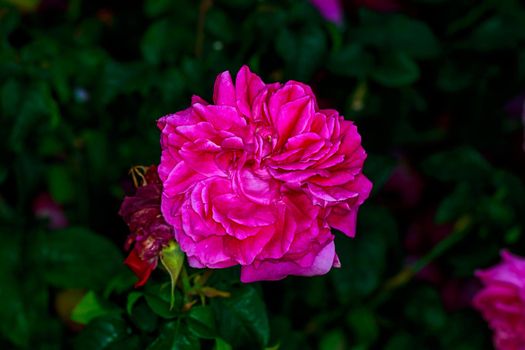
<point>436,88</point>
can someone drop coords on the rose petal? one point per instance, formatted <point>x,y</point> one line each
<point>276,270</point>
<point>224,91</point>
<point>247,86</point>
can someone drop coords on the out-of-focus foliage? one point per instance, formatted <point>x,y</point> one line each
<point>432,88</point>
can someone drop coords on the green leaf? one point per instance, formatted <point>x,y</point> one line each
<point>185,341</point>
<point>379,168</point>
<point>7,214</point>
<point>363,259</point>
<point>201,322</point>
<point>133,297</point>
<point>396,69</point>
<point>397,33</point>
<point>284,335</point>
<point>424,307</point>
<point>101,333</point>
<point>156,7</point>
<point>77,258</point>
<point>363,323</point>
<point>38,104</point>
<point>118,78</point>
<point>123,281</point>
<point>173,85</point>
<point>352,61</point>
<point>9,22</point>
<point>60,81</point>
<point>144,318</point>
<point>50,146</point>
<point>61,184</point>
<point>460,164</point>
<point>242,318</point>
<point>10,97</point>
<point>175,336</point>
<point>163,41</point>
<point>97,152</point>
<point>496,33</point>
<point>513,235</point>
<point>303,52</point>
<point>402,341</point>
<point>159,299</point>
<point>219,25</point>
<point>222,345</point>
<point>153,42</point>
<point>310,53</point>
<point>90,307</point>
<point>24,315</point>
<point>412,37</point>
<point>495,211</point>
<point>514,189</point>
<point>333,340</point>
<point>456,204</point>
<point>127,343</point>
<point>14,322</point>
<point>286,45</point>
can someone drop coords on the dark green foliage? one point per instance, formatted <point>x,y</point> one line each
<point>242,319</point>
<point>76,258</point>
<point>431,87</point>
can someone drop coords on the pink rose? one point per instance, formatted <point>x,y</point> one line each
<point>332,10</point>
<point>258,178</point>
<point>502,301</point>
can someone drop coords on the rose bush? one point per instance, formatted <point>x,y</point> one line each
<point>502,301</point>
<point>259,177</point>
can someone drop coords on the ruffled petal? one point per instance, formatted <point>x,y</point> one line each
<point>224,91</point>
<point>247,86</point>
<point>272,270</point>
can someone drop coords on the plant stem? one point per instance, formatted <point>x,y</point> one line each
<point>199,42</point>
<point>461,228</point>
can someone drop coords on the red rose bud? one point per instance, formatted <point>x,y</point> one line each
<point>149,232</point>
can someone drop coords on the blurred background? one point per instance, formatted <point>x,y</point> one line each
<point>436,88</point>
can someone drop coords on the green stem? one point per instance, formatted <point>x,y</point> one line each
<point>204,7</point>
<point>186,286</point>
<point>461,228</point>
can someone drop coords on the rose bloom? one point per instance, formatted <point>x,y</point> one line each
<point>259,177</point>
<point>502,301</point>
<point>333,11</point>
<point>149,232</point>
